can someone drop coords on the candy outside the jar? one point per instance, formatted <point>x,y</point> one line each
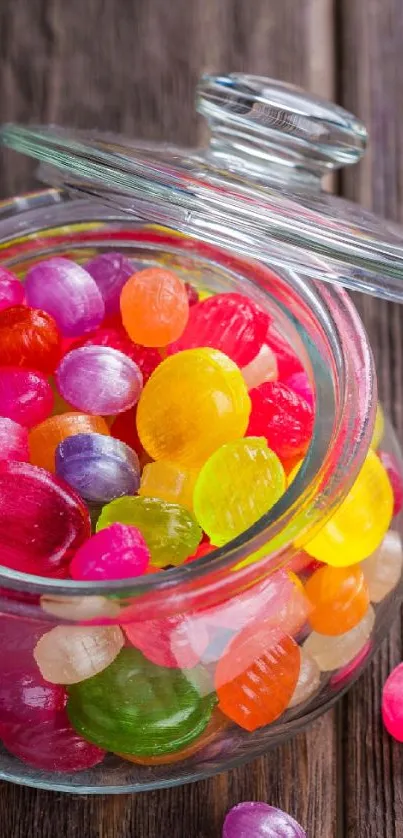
<point>68,292</point>
<point>392,703</point>
<point>193,403</point>
<point>393,470</point>
<point>259,820</point>
<point>118,552</point>
<point>383,570</point>
<point>169,481</point>
<point>13,440</point>
<point>339,597</point>
<point>176,642</point>
<point>99,380</point>
<point>135,707</point>
<point>11,289</point>
<point>45,437</point>
<point>29,338</point>
<point>147,358</point>
<point>170,531</point>
<point>283,417</point>
<point>358,526</point>
<point>99,467</point>
<point>26,397</point>
<point>42,521</point>
<point>334,652</point>
<point>308,680</point>
<point>70,654</point>
<point>263,367</point>
<point>154,307</point>
<point>236,486</point>
<point>110,271</point>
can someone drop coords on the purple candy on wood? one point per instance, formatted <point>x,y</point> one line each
<point>99,380</point>
<point>111,271</point>
<point>67,292</point>
<point>99,467</point>
<point>11,290</point>
<point>260,821</point>
<point>117,552</point>
<point>26,397</point>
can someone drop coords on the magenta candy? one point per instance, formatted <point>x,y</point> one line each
<point>117,552</point>
<point>42,521</point>
<point>25,697</point>
<point>392,703</point>
<point>299,383</point>
<point>25,396</point>
<point>111,271</point>
<point>51,745</point>
<point>13,440</point>
<point>99,380</point>
<point>67,292</point>
<point>392,467</point>
<point>259,820</point>
<point>11,290</point>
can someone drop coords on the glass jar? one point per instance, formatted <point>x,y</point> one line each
<point>245,215</point>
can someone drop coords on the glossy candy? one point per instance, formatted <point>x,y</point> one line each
<point>124,428</point>
<point>68,292</point>
<point>334,652</point>
<point>382,571</point>
<point>379,428</point>
<point>154,307</point>
<point>29,338</point>
<point>13,441</point>
<point>308,680</point>
<point>99,467</point>
<point>70,654</point>
<point>360,523</point>
<point>263,367</point>
<point>11,289</point>
<point>393,470</point>
<point>170,531</point>
<point>216,725</point>
<point>169,481</point>
<point>99,380</point>
<point>42,521</point>
<point>192,294</point>
<point>146,358</point>
<point>392,703</point>
<point>193,403</point>
<point>288,362</point>
<point>258,820</point>
<point>80,608</point>
<point>283,417</point>
<point>45,437</point>
<point>235,487</point>
<point>26,397</point>
<point>175,642</point>
<point>256,676</point>
<point>121,708</point>
<point>118,552</point>
<point>25,697</point>
<point>300,384</point>
<point>110,271</point>
<point>339,597</point>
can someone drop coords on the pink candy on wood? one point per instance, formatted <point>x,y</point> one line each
<point>392,703</point>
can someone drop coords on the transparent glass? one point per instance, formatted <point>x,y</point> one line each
<point>182,620</point>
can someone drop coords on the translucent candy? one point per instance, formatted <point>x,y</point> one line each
<point>334,652</point>
<point>263,367</point>
<point>257,675</point>
<point>25,396</point>
<point>25,697</point>
<point>308,680</point>
<point>288,362</point>
<point>235,487</point>
<point>379,428</point>
<point>383,570</point>
<point>284,418</point>
<point>192,294</point>
<point>193,403</point>
<point>68,292</point>
<point>360,523</point>
<point>11,289</point>
<point>216,725</point>
<point>118,552</point>
<point>99,467</point>
<point>146,358</point>
<point>339,597</point>
<point>110,272</point>
<point>174,642</point>
<point>99,380</point>
<point>154,307</point>
<point>70,654</point>
<point>42,521</point>
<point>392,703</point>
<point>260,821</point>
<point>124,427</point>
<point>393,470</point>
<point>13,441</point>
<point>79,608</point>
<point>121,710</point>
<point>169,481</point>
<point>44,439</point>
<point>300,384</point>
<point>170,531</point>
<point>29,338</point>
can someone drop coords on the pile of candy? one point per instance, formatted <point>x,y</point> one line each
<point>142,427</point>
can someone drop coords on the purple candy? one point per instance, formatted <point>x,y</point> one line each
<point>11,290</point>
<point>260,821</point>
<point>67,292</point>
<point>99,467</point>
<point>110,272</point>
<point>117,552</point>
<point>99,380</point>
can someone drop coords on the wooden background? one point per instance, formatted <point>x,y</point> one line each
<point>132,65</point>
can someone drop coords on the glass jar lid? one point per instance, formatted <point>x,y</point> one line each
<point>256,188</point>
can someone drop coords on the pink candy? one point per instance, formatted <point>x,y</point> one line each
<point>25,396</point>
<point>67,292</point>
<point>392,703</point>
<point>117,552</point>
<point>11,290</point>
<point>13,440</point>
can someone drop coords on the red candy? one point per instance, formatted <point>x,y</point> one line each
<point>174,642</point>
<point>146,358</point>
<point>25,396</point>
<point>124,428</point>
<point>193,296</point>
<point>392,467</point>
<point>229,322</point>
<point>29,338</point>
<point>282,417</point>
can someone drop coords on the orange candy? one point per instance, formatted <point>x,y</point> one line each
<point>154,307</point>
<point>257,675</point>
<point>45,437</point>
<point>217,723</point>
<point>339,597</point>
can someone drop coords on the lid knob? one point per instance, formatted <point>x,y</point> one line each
<point>258,124</point>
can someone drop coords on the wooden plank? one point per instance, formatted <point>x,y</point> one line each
<point>132,66</point>
<point>371,85</point>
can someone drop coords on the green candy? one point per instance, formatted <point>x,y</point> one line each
<point>170,531</point>
<point>135,707</point>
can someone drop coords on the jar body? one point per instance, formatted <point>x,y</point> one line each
<point>179,649</point>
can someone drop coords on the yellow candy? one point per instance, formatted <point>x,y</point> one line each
<point>360,523</point>
<point>379,428</point>
<point>169,481</point>
<point>193,402</point>
<point>236,486</point>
